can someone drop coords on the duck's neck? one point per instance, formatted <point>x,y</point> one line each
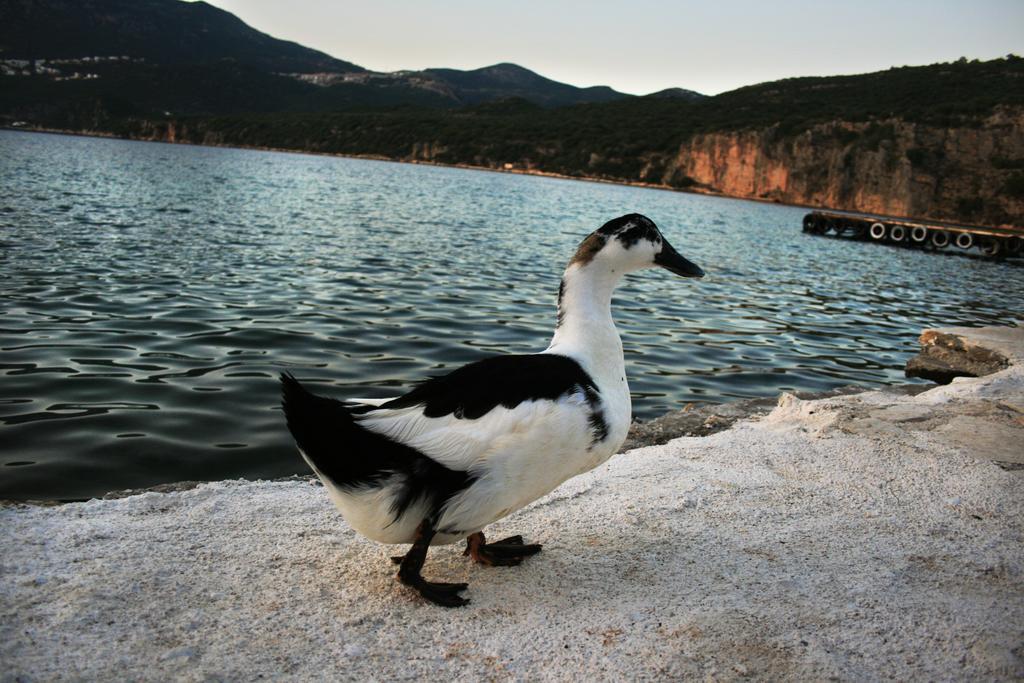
<point>585,329</point>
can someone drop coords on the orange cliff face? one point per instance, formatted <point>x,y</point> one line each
<point>735,164</point>
<point>892,167</point>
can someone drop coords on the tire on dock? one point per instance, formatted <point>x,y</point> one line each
<point>897,233</point>
<point>940,239</point>
<point>919,234</point>
<point>842,227</point>
<point>1014,245</point>
<point>964,240</point>
<point>816,225</point>
<point>877,231</point>
<point>991,246</point>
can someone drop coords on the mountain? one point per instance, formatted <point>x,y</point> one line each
<point>164,32</point>
<point>143,57</point>
<point>505,81</point>
<point>466,88</point>
<point>676,94</point>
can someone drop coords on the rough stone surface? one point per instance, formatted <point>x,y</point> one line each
<point>711,419</point>
<point>849,537</point>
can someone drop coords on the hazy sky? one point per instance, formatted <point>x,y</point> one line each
<point>641,46</point>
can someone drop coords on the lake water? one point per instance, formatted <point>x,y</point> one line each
<point>151,293</point>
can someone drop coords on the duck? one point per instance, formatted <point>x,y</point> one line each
<point>464,449</point>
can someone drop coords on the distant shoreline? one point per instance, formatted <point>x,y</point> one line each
<point>415,162</point>
<point>470,167</point>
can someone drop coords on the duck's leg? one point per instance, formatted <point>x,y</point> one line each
<point>507,552</point>
<point>444,594</point>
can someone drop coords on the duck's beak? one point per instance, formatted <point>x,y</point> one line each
<point>671,260</point>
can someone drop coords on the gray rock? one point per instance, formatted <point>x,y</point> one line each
<point>711,419</point>
<point>945,355</point>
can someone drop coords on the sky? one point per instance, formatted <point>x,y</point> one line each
<point>642,46</point>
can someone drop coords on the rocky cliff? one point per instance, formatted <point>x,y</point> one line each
<point>888,166</point>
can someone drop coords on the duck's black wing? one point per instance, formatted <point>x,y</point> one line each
<point>472,391</point>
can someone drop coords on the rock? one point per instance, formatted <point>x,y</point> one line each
<point>764,164</point>
<point>711,419</point>
<point>945,356</point>
<point>990,437</point>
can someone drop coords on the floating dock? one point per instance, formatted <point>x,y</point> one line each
<point>909,232</point>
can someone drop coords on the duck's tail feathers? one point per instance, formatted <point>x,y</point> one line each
<point>352,456</point>
<point>317,423</point>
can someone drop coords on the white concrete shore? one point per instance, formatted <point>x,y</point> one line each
<point>860,537</point>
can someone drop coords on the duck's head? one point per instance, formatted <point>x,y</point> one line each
<point>629,243</point>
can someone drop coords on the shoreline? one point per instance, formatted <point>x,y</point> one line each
<point>467,167</point>
<point>703,420</point>
<point>694,421</point>
<point>696,189</point>
<point>855,537</point>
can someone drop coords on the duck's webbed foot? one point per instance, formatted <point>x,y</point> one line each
<point>444,594</point>
<point>507,552</point>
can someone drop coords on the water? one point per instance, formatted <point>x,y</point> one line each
<point>151,293</point>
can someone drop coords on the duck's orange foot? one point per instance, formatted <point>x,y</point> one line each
<point>508,552</point>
